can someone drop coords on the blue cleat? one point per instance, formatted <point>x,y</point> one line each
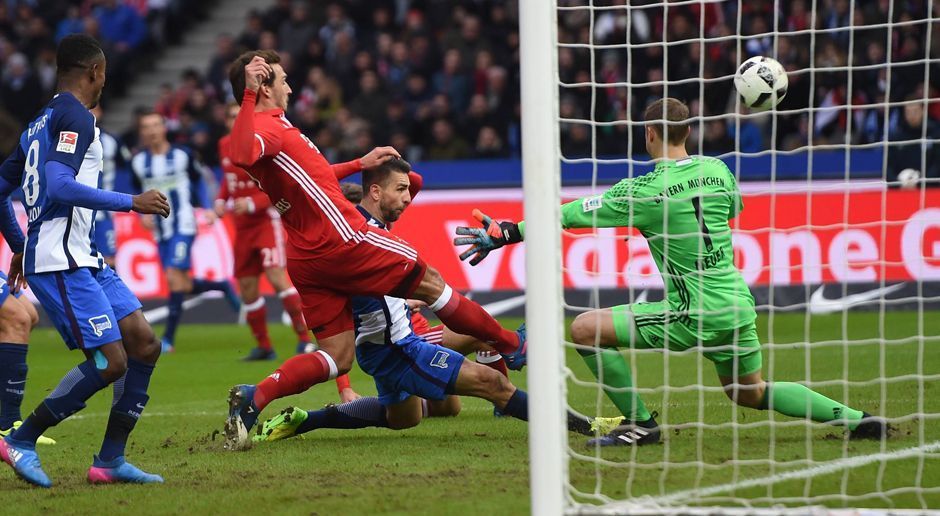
<point>166,346</point>
<point>242,416</point>
<point>258,354</point>
<point>25,462</point>
<point>517,359</point>
<point>119,471</point>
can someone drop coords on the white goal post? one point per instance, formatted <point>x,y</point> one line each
<point>835,240</point>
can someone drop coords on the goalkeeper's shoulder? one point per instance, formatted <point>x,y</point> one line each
<point>718,168</point>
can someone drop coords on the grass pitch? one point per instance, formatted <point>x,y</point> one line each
<point>475,464</point>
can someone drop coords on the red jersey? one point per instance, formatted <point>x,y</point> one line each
<point>237,184</point>
<point>301,185</point>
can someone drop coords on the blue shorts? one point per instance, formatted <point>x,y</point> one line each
<point>105,238</point>
<point>5,289</point>
<point>410,367</point>
<point>85,304</point>
<point>175,252</point>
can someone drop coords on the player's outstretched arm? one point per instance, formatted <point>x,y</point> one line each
<point>491,236</point>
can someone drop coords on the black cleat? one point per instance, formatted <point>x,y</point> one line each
<point>630,434</point>
<point>871,427</point>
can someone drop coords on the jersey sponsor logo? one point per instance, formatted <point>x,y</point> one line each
<point>590,204</point>
<point>820,304</point>
<point>440,360</point>
<point>100,324</point>
<point>68,141</point>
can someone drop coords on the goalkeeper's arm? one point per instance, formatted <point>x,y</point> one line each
<point>602,211</point>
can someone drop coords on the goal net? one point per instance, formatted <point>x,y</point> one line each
<point>838,242</point>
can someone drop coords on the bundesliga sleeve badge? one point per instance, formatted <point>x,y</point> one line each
<point>68,140</point>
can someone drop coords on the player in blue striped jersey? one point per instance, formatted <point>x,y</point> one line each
<point>105,237</point>
<point>57,163</point>
<point>174,171</point>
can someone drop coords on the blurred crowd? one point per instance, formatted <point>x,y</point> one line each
<point>30,30</point>
<point>439,79</point>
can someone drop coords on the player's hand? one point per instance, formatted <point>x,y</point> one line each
<point>415,305</point>
<point>152,202</point>
<point>210,216</point>
<point>243,206</point>
<point>149,223</point>
<point>256,72</point>
<point>219,208</point>
<point>492,235</point>
<point>377,156</point>
<point>348,395</point>
<point>15,279</point>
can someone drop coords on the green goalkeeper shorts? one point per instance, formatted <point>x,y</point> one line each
<point>646,326</point>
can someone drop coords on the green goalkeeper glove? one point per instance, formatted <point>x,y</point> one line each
<point>492,235</point>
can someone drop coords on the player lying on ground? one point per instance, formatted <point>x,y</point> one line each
<point>259,247</point>
<point>391,188</point>
<point>173,170</point>
<point>57,163</point>
<point>682,208</point>
<point>407,369</point>
<point>333,254</point>
<point>18,317</point>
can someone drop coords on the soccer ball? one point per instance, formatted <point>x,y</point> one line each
<point>909,178</point>
<point>761,82</point>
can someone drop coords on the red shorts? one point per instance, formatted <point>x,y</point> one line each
<point>259,247</point>
<point>423,329</point>
<point>381,264</point>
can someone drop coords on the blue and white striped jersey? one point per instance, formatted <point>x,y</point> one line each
<point>176,174</point>
<point>380,320</point>
<point>109,149</point>
<point>59,236</point>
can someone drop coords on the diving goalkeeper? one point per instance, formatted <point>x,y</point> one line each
<point>682,208</point>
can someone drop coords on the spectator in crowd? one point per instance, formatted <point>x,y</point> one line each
<point>20,90</point>
<point>907,150</point>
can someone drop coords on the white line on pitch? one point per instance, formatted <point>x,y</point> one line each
<point>821,469</point>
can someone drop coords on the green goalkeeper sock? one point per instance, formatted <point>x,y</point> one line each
<point>616,374</point>
<point>796,400</point>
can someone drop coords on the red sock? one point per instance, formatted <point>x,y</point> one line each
<point>464,316</point>
<point>291,301</point>
<point>257,316</point>
<point>342,383</point>
<point>493,360</point>
<point>296,375</point>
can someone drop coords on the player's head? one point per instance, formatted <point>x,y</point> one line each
<point>231,113</point>
<point>351,191</point>
<point>670,130</point>
<point>151,129</point>
<point>80,65</point>
<point>385,189</point>
<point>274,89</point>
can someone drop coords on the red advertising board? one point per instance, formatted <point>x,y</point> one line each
<point>780,239</point>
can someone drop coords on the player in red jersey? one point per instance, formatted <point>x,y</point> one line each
<point>259,248</point>
<point>332,253</point>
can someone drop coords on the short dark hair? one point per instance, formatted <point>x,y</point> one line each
<point>351,191</point>
<point>236,72</point>
<point>379,175</point>
<point>675,127</point>
<point>77,51</point>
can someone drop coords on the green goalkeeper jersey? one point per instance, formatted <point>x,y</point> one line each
<point>682,208</point>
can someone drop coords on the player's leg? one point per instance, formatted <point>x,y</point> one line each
<point>300,372</point>
<point>130,392</point>
<point>466,344</point>
<point>15,326</point>
<point>448,407</point>
<point>739,371</point>
<point>256,315</point>
<point>82,313</point>
<point>466,317</point>
<point>293,305</point>
<point>179,285</point>
<point>597,332</point>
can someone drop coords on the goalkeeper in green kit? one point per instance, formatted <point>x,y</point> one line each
<point>682,208</point>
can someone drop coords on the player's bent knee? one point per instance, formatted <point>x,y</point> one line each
<point>111,366</point>
<point>746,395</point>
<point>584,329</point>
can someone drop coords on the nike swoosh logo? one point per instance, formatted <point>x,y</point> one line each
<point>16,383</point>
<point>141,407</point>
<point>819,304</point>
